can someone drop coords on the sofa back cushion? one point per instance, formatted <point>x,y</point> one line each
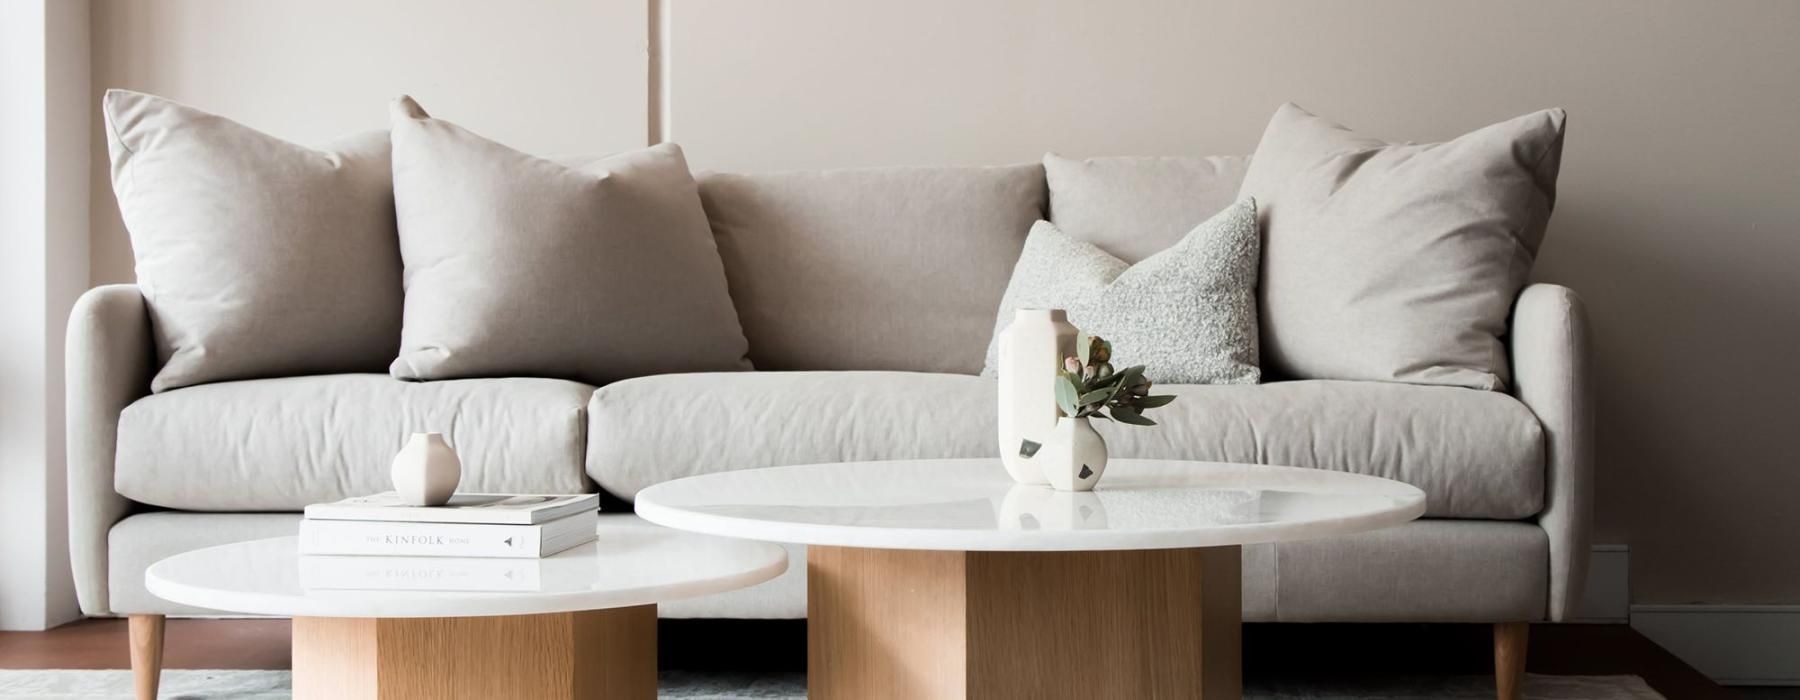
<point>875,269</point>
<point>1134,207</point>
<point>257,257</point>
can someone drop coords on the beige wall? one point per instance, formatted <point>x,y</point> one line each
<point>1679,219</point>
<point>546,76</point>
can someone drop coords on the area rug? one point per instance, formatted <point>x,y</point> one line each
<point>273,685</point>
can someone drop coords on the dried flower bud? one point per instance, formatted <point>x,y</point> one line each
<point>1072,365</point>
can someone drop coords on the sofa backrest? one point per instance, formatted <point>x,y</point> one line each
<point>1135,206</point>
<point>872,269</point>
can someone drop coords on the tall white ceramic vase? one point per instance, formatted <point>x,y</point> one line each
<point>1030,350</point>
<point>1075,456</point>
<point>426,470</point>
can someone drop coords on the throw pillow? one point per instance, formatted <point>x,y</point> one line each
<point>519,266</point>
<point>1188,313</point>
<point>1398,262</point>
<point>1135,206</point>
<point>256,257</point>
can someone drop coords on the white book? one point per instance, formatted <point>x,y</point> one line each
<point>419,574</point>
<point>408,539</point>
<point>494,508</point>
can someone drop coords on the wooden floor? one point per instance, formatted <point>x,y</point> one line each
<point>777,645</point>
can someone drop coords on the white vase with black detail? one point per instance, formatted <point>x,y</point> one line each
<point>1074,457</point>
<point>1029,352</point>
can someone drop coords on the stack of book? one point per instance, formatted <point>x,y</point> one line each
<point>471,525</point>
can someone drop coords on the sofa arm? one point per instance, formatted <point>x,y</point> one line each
<point>109,362</point>
<point>1553,375</point>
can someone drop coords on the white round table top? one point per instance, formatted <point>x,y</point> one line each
<point>632,563</point>
<point>972,505</point>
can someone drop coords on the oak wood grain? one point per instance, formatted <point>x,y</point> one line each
<point>957,625</point>
<point>1511,639</point>
<point>885,623</point>
<point>145,633</point>
<point>575,656</point>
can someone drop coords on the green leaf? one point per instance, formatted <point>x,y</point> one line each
<point>1130,416</point>
<point>1153,401</point>
<point>1095,396</point>
<point>1066,394</point>
<point>1082,347</point>
<point>1131,376</point>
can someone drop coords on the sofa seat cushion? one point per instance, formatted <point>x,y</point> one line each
<point>1475,454</point>
<point>280,444</point>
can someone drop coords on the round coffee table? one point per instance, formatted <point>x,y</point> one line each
<point>580,624</point>
<point>945,579</point>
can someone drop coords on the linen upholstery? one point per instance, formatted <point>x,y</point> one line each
<point>876,269</point>
<point>108,359</point>
<point>257,257</point>
<point>519,266</point>
<point>1553,375</point>
<point>1135,206</point>
<point>1426,570</point>
<point>764,419</point>
<point>1423,571</point>
<point>143,539</point>
<point>280,444</point>
<point>1188,313</point>
<point>1474,454</point>
<point>1398,262</point>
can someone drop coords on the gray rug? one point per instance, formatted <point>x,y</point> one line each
<point>273,685</point>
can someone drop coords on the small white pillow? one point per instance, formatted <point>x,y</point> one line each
<point>1187,313</point>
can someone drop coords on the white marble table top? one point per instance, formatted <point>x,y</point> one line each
<point>633,563</point>
<point>972,505</point>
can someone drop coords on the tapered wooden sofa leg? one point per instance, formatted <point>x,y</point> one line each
<point>146,632</point>
<point>1510,641</point>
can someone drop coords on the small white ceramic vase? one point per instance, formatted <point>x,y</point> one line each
<point>1075,456</point>
<point>426,471</point>
<point>1029,351</point>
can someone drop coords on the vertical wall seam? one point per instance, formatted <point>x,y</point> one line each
<point>657,72</point>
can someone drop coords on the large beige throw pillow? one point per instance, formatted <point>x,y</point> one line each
<point>257,257</point>
<point>1398,262</point>
<point>519,266</point>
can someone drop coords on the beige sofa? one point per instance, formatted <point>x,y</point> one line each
<point>867,298</point>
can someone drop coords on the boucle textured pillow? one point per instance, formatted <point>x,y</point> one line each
<point>519,266</point>
<point>1188,313</point>
<point>256,257</point>
<point>1398,262</point>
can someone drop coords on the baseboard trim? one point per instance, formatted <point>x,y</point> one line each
<point>1732,644</point>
